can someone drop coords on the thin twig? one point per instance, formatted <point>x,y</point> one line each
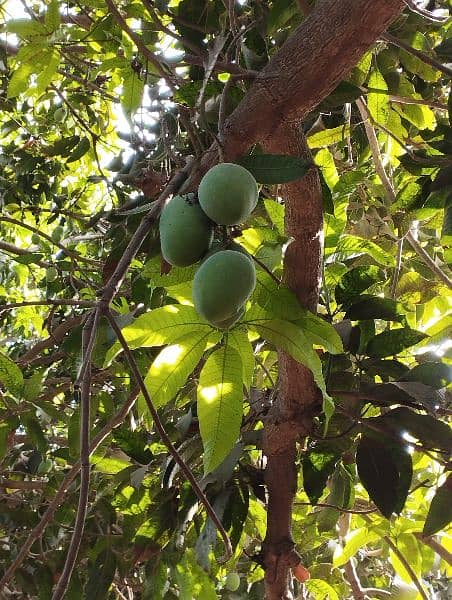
<point>7,247</point>
<point>38,531</point>
<point>344,510</point>
<point>166,440</point>
<point>407,566</point>
<point>398,267</point>
<point>353,580</point>
<point>428,60</point>
<point>424,13</point>
<point>69,253</point>
<point>148,54</point>
<point>88,340</point>
<point>62,302</point>
<point>435,546</point>
<point>428,260</point>
<point>14,484</point>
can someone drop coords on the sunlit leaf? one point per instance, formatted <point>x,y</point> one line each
<point>220,404</point>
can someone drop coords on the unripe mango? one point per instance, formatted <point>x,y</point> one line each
<point>222,285</point>
<point>228,194</point>
<point>230,321</point>
<point>185,231</point>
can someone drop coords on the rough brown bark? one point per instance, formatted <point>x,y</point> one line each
<point>290,418</point>
<point>316,57</point>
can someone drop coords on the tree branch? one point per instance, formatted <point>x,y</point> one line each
<point>428,60</point>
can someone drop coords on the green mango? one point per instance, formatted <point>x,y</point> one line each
<point>185,231</point>
<point>228,194</point>
<point>222,285</point>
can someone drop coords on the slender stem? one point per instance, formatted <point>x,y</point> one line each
<point>428,60</point>
<point>148,54</point>
<point>88,340</point>
<point>407,567</point>
<point>79,303</point>
<point>353,580</point>
<point>344,510</point>
<point>424,13</point>
<point>14,484</point>
<point>38,531</point>
<point>63,248</point>
<point>398,267</point>
<point>428,260</point>
<point>166,440</point>
<point>436,547</point>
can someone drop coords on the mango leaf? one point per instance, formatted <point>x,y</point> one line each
<point>80,150</point>
<point>317,467</point>
<point>354,541</point>
<point>292,339</point>
<point>425,428</point>
<point>220,404</point>
<point>25,28</point>
<point>46,74</point>
<point>238,339</point>
<point>440,511</point>
<point>390,343</point>
<point>378,98</point>
<point>172,366</point>
<point>132,91</point>
<point>275,168</point>
<point>385,472</point>
<point>10,375</point>
<point>408,546</point>
<point>159,327</point>
<point>434,374</point>
<point>275,211</point>
<point>351,246</point>
<point>320,590</point>
<point>320,332</point>
<point>374,307</point>
<point>328,137</point>
<point>356,281</point>
<point>19,81</point>
<point>52,17</point>
<point>344,92</point>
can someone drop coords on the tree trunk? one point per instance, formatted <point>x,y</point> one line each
<point>290,418</point>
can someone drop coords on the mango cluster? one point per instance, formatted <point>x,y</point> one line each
<point>226,278</point>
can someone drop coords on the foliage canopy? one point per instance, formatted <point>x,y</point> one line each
<point>101,104</point>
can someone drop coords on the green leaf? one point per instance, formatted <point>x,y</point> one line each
<point>80,150</point>
<point>33,385</point>
<point>317,467</point>
<point>390,343</point>
<point>378,98</point>
<point>385,471</point>
<point>434,374</point>
<point>328,137</point>
<point>440,512</point>
<point>275,168</point>
<point>350,246</point>
<point>238,339</point>
<point>159,327</point>
<point>132,91</point>
<point>432,432</point>
<point>343,93</point>
<point>292,339</point>
<point>320,590</point>
<point>46,74</point>
<point>354,541</point>
<point>19,81</point>
<point>25,28</point>
<point>10,375</point>
<point>173,365</point>
<point>356,281</point>
<point>52,18</point>
<point>220,404</point>
<point>320,332</point>
<point>275,211</point>
<point>374,307</point>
